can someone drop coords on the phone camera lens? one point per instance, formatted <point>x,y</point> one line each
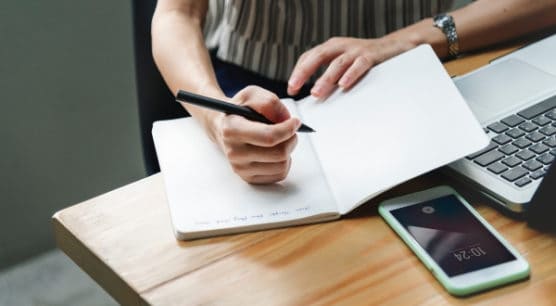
<point>427,209</point>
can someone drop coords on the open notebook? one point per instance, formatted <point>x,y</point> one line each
<point>403,119</point>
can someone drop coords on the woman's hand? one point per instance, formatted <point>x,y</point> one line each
<point>348,59</point>
<point>259,153</point>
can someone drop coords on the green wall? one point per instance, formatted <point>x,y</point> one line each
<point>68,117</point>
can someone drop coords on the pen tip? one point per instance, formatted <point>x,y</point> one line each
<point>305,128</point>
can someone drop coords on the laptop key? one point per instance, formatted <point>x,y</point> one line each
<point>548,130</point>
<point>514,174</point>
<point>528,126</point>
<point>515,133</point>
<point>525,155</point>
<point>551,142</point>
<point>488,158</point>
<point>553,152</point>
<point>535,136</point>
<point>511,161</point>
<point>538,148</point>
<point>551,114</point>
<point>502,139</point>
<point>512,120</point>
<point>490,146</point>
<point>546,158</point>
<point>497,127</point>
<point>541,120</point>
<point>538,108</point>
<point>523,181</point>
<point>521,143</point>
<point>497,168</point>
<point>532,165</point>
<point>509,149</point>
<point>537,174</point>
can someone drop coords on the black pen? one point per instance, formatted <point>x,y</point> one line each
<point>228,108</point>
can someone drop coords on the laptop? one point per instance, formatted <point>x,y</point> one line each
<point>514,99</point>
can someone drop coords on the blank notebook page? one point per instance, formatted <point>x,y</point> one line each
<point>404,118</point>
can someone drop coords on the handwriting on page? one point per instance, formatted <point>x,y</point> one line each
<point>256,218</point>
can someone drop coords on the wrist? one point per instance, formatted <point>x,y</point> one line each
<point>208,119</point>
<point>424,32</point>
<point>446,24</point>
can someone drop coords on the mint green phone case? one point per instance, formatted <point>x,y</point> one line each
<point>439,274</point>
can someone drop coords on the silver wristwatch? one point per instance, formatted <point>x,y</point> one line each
<point>446,23</point>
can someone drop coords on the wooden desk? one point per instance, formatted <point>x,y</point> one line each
<point>124,240</point>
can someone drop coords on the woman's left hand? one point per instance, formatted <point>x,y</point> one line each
<point>348,59</point>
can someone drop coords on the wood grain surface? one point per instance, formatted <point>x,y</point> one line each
<point>124,240</point>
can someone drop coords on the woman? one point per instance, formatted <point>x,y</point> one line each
<point>282,45</point>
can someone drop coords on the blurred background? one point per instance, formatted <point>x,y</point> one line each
<point>69,131</point>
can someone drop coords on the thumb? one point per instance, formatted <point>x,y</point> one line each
<point>264,102</point>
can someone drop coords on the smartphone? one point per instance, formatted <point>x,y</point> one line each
<point>453,241</point>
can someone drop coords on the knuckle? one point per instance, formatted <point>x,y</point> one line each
<point>282,153</point>
<point>238,169</point>
<point>251,179</point>
<point>282,176</point>
<point>328,78</point>
<point>271,99</point>
<point>334,40</point>
<point>366,59</point>
<point>268,137</point>
<point>305,54</point>
<point>340,61</point>
<point>231,155</point>
<point>250,88</point>
<point>228,131</point>
<point>319,54</point>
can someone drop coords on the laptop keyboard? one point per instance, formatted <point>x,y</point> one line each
<point>522,146</point>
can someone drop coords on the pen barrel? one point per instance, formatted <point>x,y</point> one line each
<point>228,108</point>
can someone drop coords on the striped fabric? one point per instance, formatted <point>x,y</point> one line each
<point>267,36</point>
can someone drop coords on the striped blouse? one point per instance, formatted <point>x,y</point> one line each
<point>267,36</point>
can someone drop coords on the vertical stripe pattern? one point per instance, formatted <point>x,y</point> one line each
<point>267,36</point>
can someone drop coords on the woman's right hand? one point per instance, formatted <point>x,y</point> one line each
<point>259,153</point>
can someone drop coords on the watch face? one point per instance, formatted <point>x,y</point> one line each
<point>442,20</point>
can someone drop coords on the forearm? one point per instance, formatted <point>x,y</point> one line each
<point>181,56</point>
<point>483,23</point>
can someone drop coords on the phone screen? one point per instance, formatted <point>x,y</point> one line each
<point>452,236</point>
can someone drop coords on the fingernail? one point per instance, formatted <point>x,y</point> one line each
<point>316,90</point>
<point>297,123</point>
<point>294,82</point>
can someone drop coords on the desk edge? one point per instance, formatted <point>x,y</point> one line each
<point>89,262</point>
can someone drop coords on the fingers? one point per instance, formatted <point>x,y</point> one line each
<point>348,59</point>
<point>245,154</point>
<point>329,80</point>
<point>265,173</point>
<point>259,134</point>
<point>310,61</point>
<point>262,165</point>
<point>258,152</point>
<point>360,66</point>
<point>264,102</point>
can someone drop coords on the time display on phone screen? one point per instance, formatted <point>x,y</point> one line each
<point>452,236</point>
<point>469,253</point>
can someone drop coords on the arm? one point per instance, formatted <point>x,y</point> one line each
<point>479,24</point>
<point>259,153</point>
<point>178,47</point>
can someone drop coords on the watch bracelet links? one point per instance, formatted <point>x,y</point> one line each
<point>447,25</point>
